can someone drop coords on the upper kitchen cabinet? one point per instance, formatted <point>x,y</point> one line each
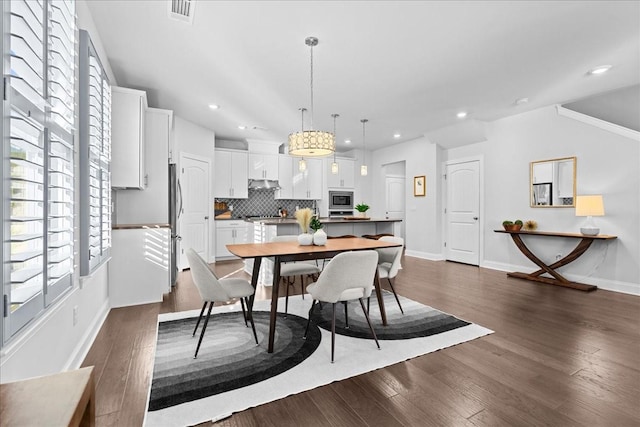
<point>263,166</point>
<point>345,178</point>
<point>128,108</point>
<point>307,185</point>
<point>231,174</point>
<point>285,177</point>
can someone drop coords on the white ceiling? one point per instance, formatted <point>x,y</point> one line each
<point>408,67</point>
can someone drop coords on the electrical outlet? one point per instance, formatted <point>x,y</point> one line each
<point>558,257</point>
<point>75,315</point>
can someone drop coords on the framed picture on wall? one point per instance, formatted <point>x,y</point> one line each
<point>419,186</point>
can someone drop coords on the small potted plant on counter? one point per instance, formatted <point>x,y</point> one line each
<point>362,208</point>
<point>319,236</point>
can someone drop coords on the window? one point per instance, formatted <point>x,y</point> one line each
<point>38,151</point>
<point>95,159</point>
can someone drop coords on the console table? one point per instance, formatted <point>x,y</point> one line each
<point>557,278</point>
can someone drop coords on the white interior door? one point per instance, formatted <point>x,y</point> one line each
<point>194,219</point>
<point>463,212</point>
<point>395,199</point>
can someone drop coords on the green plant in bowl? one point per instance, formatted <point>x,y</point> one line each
<point>315,224</point>
<point>362,207</point>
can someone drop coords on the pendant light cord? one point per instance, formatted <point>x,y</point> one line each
<point>311,47</point>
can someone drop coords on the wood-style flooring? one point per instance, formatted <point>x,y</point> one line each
<point>558,357</point>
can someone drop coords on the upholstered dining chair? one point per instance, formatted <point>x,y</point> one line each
<point>389,263</point>
<point>348,276</point>
<point>289,270</point>
<point>212,289</point>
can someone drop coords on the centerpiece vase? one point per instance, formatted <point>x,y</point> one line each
<point>320,237</point>
<point>305,239</point>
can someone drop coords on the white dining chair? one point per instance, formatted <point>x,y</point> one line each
<point>212,290</point>
<point>389,263</point>
<point>348,276</point>
<point>290,270</point>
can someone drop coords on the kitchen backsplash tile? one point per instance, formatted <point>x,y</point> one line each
<point>261,202</point>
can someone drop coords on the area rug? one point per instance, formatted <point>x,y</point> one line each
<point>232,374</point>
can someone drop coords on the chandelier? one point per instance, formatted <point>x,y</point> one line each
<point>311,143</point>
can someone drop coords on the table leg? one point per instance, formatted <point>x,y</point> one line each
<point>558,279</point>
<point>376,285</point>
<point>274,303</point>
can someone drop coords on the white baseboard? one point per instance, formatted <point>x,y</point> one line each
<point>424,255</point>
<point>83,347</point>
<point>606,284</point>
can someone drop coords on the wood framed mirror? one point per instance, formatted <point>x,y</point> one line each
<point>552,183</point>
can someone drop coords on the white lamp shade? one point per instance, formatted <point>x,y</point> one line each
<point>589,205</point>
<point>363,170</point>
<point>302,165</point>
<point>312,143</point>
<point>335,168</point>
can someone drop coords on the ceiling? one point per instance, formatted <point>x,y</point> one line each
<point>409,67</point>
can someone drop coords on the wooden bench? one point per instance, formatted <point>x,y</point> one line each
<point>64,399</point>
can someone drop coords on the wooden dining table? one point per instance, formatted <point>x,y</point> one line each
<point>292,251</point>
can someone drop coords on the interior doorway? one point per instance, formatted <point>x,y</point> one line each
<point>194,220</point>
<point>462,212</point>
<point>395,185</point>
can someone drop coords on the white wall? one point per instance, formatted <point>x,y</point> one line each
<point>194,139</point>
<point>607,164</point>
<point>52,343</point>
<point>422,227</point>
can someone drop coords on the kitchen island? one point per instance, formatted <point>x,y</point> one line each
<point>265,229</point>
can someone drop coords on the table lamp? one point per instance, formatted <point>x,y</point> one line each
<point>589,206</point>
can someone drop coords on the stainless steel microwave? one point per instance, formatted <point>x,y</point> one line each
<point>341,200</point>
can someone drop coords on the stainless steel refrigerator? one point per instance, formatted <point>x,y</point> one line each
<point>175,209</point>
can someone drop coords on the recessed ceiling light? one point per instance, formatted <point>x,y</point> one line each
<point>396,135</point>
<point>214,106</point>
<point>347,141</point>
<point>599,70</point>
<point>242,127</point>
<point>462,114</point>
<point>521,101</point>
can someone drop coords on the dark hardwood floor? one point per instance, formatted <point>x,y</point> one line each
<point>558,357</point>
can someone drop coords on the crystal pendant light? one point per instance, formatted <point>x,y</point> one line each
<point>363,168</point>
<point>311,143</point>
<point>334,166</point>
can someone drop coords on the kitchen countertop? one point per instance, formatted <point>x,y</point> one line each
<point>278,221</point>
<point>138,226</point>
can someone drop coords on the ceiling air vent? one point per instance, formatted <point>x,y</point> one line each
<point>182,10</point>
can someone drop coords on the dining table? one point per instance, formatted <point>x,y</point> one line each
<point>292,251</point>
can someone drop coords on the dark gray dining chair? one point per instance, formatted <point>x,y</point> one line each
<point>348,276</point>
<point>212,290</point>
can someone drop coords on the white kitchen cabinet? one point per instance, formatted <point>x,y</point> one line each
<point>345,178</point>
<point>151,205</point>
<point>128,108</point>
<point>285,177</point>
<point>263,166</point>
<point>307,185</point>
<point>229,233</point>
<point>139,266</point>
<point>231,174</point>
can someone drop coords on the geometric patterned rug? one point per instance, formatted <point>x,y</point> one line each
<point>232,374</point>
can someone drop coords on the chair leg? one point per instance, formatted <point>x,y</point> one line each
<point>204,328</point>
<point>253,326</point>
<point>395,295</point>
<point>368,303</point>
<point>366,315</point>
<point>302,285</point>
<point>286,298</point>
<point>199,318</point>
<point>244,313</point>
<point>313,304</point>
<point>333,329</point>
<point>346,315</point>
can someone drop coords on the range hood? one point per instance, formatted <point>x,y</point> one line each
<point>263,184</point>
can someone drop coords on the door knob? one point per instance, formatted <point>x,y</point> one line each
<point>207,217</point>
<point>475,217</point>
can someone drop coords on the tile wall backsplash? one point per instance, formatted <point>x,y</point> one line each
<point>261,202</point>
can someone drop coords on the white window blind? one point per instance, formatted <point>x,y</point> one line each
<point>39,108</point>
